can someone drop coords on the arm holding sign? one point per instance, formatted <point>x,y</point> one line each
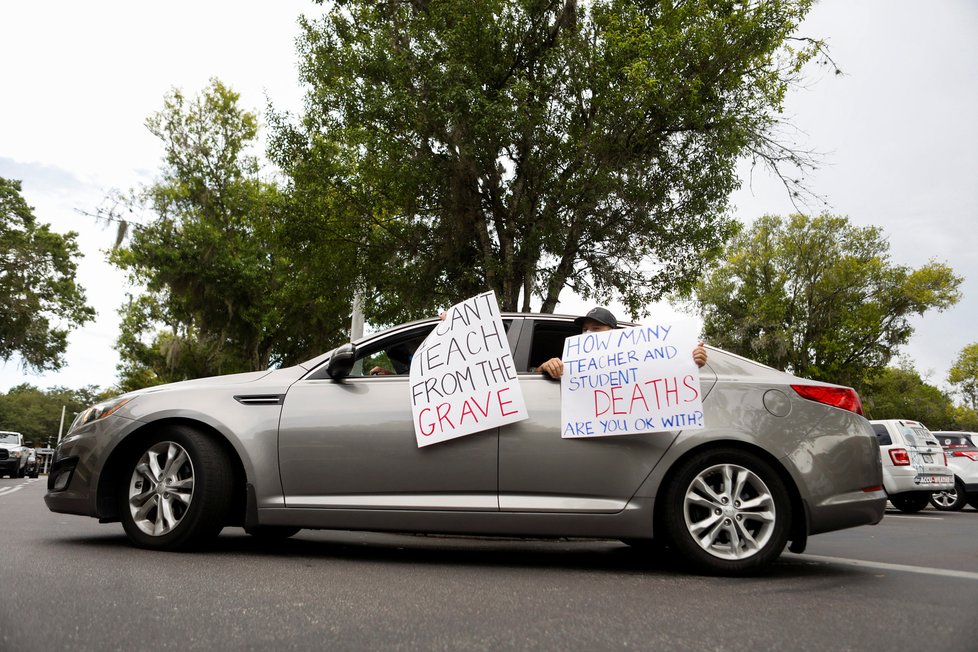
<point>596,321</point>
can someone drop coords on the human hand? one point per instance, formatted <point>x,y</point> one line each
<point>699,355</point>
<point>554,367</point>
<point>380,371</point>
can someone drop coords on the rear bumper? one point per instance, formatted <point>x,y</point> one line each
<point>902,480</point>
<point>848,510</point>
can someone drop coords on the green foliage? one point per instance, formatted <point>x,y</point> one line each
<point>964,375</point>
<point>965,418</point>
<point>36,413</point>
<point>529,146</point>
<point>900,393</point>
<point>818,297</point>
<point>226,289</point>
<point>41,301</point>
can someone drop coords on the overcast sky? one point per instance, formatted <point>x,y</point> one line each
<point>898,131</point>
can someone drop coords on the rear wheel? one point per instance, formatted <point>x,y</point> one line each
<point>951,500</point>
<point>176,490</point>
<point>910,503</point>
<point>727,511</point>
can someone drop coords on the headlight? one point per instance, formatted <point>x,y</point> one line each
<point>98,411</point>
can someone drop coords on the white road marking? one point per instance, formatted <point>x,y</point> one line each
<point>5,491</point>
<point>923,570</point>
<point>926,518</point>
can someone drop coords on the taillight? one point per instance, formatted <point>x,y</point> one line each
<point>840,397</point>
<point>971,455</point>
<point>899,457</point>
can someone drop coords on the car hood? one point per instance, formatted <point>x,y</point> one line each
<point>271,376</point>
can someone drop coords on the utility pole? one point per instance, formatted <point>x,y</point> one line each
<point>61,426</point>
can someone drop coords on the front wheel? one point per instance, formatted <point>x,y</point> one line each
<point>951,500</point>
<point>910,503</point>
<point>728,512</point>
<point>176,490</point>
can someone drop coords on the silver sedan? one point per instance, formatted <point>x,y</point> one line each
<point>327,445</point>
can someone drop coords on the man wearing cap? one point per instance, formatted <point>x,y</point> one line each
<point>601,319</point>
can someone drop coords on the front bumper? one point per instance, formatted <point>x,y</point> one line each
<point>8,466</point>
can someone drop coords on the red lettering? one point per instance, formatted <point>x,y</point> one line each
<point>421,426</point>
<point>499,397</point>
<point>443,416</point>
<point>655,385</point>
<point>597,410</point>
<point>637,395</point>
<point>485,412</point>
<point>672,390</point>
<point>467,409</point>
<point>686,381</point>
<point>615,400</point>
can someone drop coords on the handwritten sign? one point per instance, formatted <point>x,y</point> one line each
<point>463,379</point>
<point>630,381</point>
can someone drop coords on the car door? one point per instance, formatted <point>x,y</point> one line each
<point>351,444</point>
<point>541,472</point>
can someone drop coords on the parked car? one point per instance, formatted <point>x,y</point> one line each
<point>32,470</point>
<point>962,457</point>
<point>324,445</point>
<point>13,454</point>
<point>914,465</point>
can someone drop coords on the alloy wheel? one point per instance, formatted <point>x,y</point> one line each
<point>729,511</point>
<point>161,488</point>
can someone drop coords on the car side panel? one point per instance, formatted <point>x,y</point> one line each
<point>351,444</point>
<point>829,454</point>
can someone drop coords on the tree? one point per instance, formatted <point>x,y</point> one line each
<point>964,375</point>
<point>36,413</point>
<point>900,393</point>
<point>530,146</point>
<point>225,289</point>
<point>818,297</point>
<point>42,302</point>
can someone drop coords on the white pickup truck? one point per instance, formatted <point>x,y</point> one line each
<point>13,454</point>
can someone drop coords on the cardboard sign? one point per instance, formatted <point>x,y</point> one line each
<point>463,379</point>
<point>630,381</point>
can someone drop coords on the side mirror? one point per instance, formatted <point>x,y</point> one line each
<point>341,362</point>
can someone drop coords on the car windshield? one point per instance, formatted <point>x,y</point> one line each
<point>9,438</point>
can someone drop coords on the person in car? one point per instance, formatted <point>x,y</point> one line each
<point>597,320</point>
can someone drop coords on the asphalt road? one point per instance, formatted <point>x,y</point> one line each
<point>68,583</point>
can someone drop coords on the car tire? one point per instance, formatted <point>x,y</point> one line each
<point>910,503</point>
<point>175,491</point>
<point>952,500</point>
<point>726,511</point>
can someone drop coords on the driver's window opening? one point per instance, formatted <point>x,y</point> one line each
<point>548,342</point>
<point>392,357</point>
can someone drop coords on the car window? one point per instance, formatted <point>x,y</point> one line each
<point>953,441</point>
<point>548,342</point>
<point>924,436</point>
<point>882,434</point>
<point>391,356</point>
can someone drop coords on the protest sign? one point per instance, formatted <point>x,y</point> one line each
<point>630,381</point>
<point>463,379</point>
